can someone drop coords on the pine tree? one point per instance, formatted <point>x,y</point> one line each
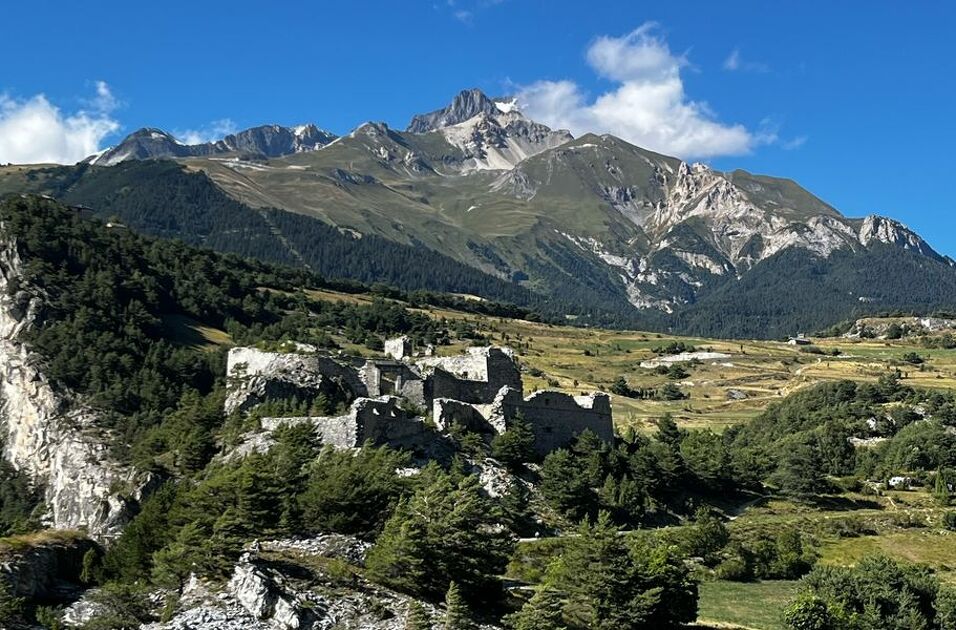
<point>668,432</point>
<point>941,488</point>
<point>11,606</point>
<point>400,556</point>
<point>800,470</point>
<point>564,484</point>
<point>611,584</point>
<point>542,612</point>
<point>444,533</point>
<point>190,553</point>
<point>517,512</point>
<point>515,446</point>
<point>417,618</point>
<point>257,501</point>
<point>229,531</point>
<point>457,615</point>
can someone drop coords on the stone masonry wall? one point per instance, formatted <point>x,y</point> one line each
<point>256,376</point>
<point>447,412</point>
<point>557,418</point>
<point>378,420</point>
<point>476,377</point>
<point>392,378</point>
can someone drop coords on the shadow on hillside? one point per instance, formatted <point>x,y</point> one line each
<point>836,503</point>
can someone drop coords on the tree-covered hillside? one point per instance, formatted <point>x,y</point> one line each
<point>164,199</point>
<point>795,292</point>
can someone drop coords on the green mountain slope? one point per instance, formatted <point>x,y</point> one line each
<point>162,198</point>
<point>502,207</point>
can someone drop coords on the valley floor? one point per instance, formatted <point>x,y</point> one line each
<point>722,391</point>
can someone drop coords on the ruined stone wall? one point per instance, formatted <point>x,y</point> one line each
<point>447,412</point>
<point>378,420</point>
<point>476,377</point>
<point>391,378</point>
<point>441,384</point>
<point>382,421</point>
<point>399,347</point>
<point>557,418</point>
<point>255,376</point>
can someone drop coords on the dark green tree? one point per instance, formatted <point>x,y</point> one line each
<point>877,593</point>
<point>352,493</point>
<point>542,612</point>
<point>515,446</point>
<point>608,585</point>
<point>565,484</point>
<point>809,612</point>
<point>444,533</point>
<point>457,614</point>
<point>417,617</point>
<point>800,471</point>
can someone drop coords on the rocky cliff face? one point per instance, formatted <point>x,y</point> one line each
<point>47,569</point>
<point>50,434</point>
<point>891,232</point>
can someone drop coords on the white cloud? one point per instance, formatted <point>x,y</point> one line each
<point>465,11</point>
<point>104,101</point>
<point>794,143</point>
<point>34,130</point>
<point>735,61</point>
<point>648,105</point>
<point>216,130</point>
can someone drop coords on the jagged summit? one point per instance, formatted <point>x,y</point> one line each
<point>876,228</point>
<point>492,134</point>
<point>265,140</point>
<point>466,104</point>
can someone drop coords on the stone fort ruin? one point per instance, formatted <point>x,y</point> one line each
<point>387,400</point>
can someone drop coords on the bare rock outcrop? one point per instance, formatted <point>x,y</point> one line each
<point>50,434</point>
<point>48,568</point>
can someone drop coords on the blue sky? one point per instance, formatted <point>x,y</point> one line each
<point>851,99</point>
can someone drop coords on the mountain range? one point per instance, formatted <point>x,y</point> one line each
<point>597,228</point>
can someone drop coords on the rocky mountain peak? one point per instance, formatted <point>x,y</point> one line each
<point>880,229</point>
<point>466,104</point>
<point>493,134</point>
<point>266,140</point>
<point>372,129</point>
<point>273,140</point>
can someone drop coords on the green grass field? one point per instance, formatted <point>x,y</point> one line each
<point>753,605</point>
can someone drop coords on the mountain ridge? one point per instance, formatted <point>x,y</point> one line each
<point>264,140</point>
<point>593,218</point>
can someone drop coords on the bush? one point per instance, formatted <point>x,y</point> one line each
<point>669,391</point>
<point>949,520</point>
<point>620,387</point>
<point>877,593</point>
<point>913,359</point>
<point>734,569</point>
<point>809,612</point>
